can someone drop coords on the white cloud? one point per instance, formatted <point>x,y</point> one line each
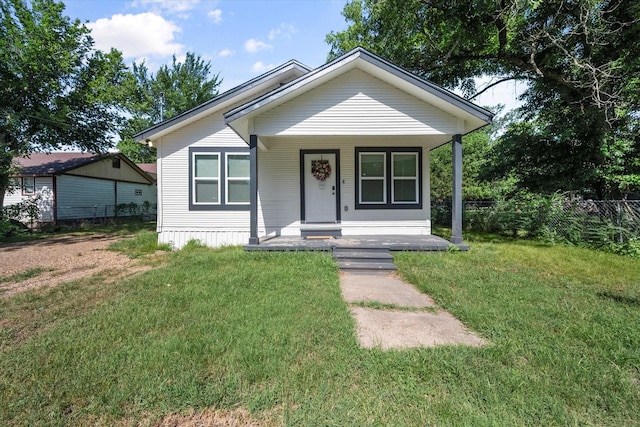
<point>253,45</point>
<point>226,52</point>
<point>215,15</point>
<point>145,34</point>
<point>171,6</point>
<point>284,30</point>
<point>261,67</point>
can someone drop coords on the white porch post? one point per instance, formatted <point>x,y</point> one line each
<point>253,189</point>
<point>456,199</point>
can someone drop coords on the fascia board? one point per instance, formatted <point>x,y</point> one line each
<point>221,102</point>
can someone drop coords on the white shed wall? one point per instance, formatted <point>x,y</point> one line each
<point>81,197</point>
<point>44,189</point>
<point>127,193</point>
<point>355,103</point>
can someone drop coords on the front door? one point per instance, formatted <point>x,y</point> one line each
<point>320,172</point>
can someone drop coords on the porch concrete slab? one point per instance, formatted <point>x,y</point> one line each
<point>390,242</point>
<point>385,289</point>
<point>396,329</point>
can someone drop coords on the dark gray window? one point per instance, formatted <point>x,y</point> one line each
<point>219,178</point>
<point>389,178</point>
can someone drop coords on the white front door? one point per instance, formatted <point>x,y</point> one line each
<point>320,190</point>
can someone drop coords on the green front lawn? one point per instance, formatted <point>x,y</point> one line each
<point>270,333</point>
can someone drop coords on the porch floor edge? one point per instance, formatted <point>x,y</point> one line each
<point>395,243</point>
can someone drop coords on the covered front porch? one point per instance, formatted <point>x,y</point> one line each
<point>326,243</point>
<point>348,145</point>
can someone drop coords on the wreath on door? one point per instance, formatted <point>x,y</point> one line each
<point>321,169</point>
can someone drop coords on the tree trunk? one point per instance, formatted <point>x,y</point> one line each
<point>3,190</point>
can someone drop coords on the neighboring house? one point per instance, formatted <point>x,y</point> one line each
<point>343,149</point>
<point>150,169</point>
<point>74,186</point>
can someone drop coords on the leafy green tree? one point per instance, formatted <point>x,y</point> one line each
<point>172,90</point>
<point>55,89</point>
<point>476,185</point>
<point>476,148</point>
<point>581,60</point>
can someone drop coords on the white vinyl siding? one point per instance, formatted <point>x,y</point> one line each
<point>177,223</point>
<point>355,103</point>
<point>43,189</point>
<point>279,189</point>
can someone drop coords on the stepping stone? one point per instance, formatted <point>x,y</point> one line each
<point>395,329</point>
<point>383,289</point>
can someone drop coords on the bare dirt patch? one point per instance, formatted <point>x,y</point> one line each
<point>59,260</point>
<point>210,418</point>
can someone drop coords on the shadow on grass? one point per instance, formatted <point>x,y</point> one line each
<point>619,298</point>
<point>83,229</point>
<point>484,237</point>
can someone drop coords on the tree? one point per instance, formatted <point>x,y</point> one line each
<point>580,58</point>
<point>476,148</point>
<point>55,89</point>
<point>171,91</point>
<point>476,185</point>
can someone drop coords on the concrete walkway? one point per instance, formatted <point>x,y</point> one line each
<point>407,319</point>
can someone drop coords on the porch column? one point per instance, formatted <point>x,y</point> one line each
<point>456,199</point>
<point>253,189</point>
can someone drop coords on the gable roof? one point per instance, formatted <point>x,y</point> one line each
<point>42,164</point>
<point>49,164</point>
<point>148,167</point>
<point>474,115</point>
<point>288,71</point>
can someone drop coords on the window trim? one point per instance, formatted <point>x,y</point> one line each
<point>389,178</point>
<point>235,178</point>
<point>23,186</point>
<point>222,205</point>
<point>375,178</point>
<point>403,178</point>
<point>197,179</point>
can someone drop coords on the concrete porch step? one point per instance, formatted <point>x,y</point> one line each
<point>363,256</point>
<point>320,230</point>
<point>363,259</point>
<point>367,266</point>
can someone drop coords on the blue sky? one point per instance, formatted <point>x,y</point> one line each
<point>241,38</point>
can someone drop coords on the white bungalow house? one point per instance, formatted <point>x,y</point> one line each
<point>342,150</point>
<point>72,186</point>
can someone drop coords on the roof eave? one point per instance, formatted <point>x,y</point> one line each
<point>346,62</point>
<point>166,126</point>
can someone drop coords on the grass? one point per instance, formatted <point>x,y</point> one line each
<point>24,275</point>
<point>270,333</point>
<point>144,242</point>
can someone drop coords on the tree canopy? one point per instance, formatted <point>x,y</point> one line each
<point>155,97</point>
<point>581,60</point>
<point>56,90</point>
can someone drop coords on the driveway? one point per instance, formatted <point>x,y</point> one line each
<point>56,260</point>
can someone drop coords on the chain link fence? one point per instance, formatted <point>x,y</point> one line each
<point>105,213</point>
<point>592,222</point>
